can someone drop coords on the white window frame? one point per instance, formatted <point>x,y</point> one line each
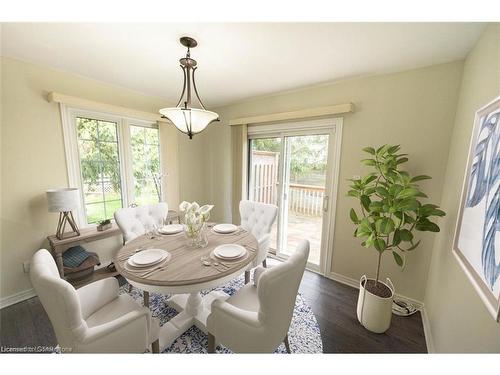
<point>68,118</point>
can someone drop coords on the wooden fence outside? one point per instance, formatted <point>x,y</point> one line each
<point>302,199</point>
<point>265,176</point>
<point>306,199</point>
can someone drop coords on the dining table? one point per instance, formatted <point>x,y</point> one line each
<point>184,274</point>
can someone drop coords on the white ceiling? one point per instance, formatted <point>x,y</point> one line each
<point>236,61</point>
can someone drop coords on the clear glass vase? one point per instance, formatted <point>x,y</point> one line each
<point>196,235</point>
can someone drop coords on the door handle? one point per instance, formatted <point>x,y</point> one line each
<point>326,200</point>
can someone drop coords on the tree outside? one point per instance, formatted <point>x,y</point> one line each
<point>309,155</point>
<point>100,166</point>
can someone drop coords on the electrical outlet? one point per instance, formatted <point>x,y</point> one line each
<point>356,177</point>
<point>26,267</point>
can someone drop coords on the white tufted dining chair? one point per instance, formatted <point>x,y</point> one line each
<point>258,218</point>
<point>94,318</point>
<point>135,221</point>
<point>257,317</point>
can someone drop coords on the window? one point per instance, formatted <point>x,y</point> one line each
<point>100,168</point>
<point>146,164</point>
<point>114,161</point>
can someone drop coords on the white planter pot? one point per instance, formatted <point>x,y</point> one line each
<point>374,312</point>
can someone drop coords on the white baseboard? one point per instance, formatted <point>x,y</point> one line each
<point>30,293</point>
<point>16,298</point>
<point>343,279</point>
<point>355,284</point>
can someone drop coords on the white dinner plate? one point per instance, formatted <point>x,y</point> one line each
<point>171,229</point>
<point>132,267</point>
<point>229,251</point>
<point>147,257</point>
<point>225,228</point>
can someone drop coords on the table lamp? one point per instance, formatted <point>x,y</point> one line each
<point>64,201</point>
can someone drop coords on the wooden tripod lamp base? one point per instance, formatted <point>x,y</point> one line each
<point>66,218</point>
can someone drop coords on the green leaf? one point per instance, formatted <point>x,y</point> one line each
<point>353,193</point>
<point>391,175</point>
<point>426,210</point>
<point>365,226</point>
<point>408,204</point>
<point>413,246</point>
<point>406,235</point>
<point>370,240</point>
<point>420,178</point>
<point>393,149</point>
<point>370,150</point>
<point>398,259</point>
<point>369,162</point>
<point>375,207</point>
<point>384,225</point>
<point>365,201</point>
<point>353,216</point>
<point>430,210</point>
<point>409,219</point>
<point>407,193</point>
<point>368,179</point>
<point>395,189</point>
<point>382,191</point>
<point>402,160</point>
<point>360,232</point>
<point>396,239</point>
<point>379,244</point>
<point>369,191</point>
<point>438,212</point>
<point>427,226</point>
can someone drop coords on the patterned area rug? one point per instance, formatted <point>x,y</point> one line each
<point>304,334</point>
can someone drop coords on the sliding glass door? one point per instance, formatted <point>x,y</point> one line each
<point>304,199</point>
<point>292,169</point>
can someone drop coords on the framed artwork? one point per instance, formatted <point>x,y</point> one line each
<point>477,236</point>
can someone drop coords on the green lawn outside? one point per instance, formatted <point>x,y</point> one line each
<point>98,210</point>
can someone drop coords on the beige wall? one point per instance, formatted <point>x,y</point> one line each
<point>33,159</point>
<point>413,108</point>
<point>458,318</point>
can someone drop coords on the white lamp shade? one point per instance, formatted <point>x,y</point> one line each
<point>185,119</point>
<point>63,200</point>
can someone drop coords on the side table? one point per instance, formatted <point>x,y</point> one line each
<point>58,246</point>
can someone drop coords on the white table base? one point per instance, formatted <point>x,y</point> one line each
<point>193,310</point>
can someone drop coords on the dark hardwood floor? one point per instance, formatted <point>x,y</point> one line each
<point>333,303</point>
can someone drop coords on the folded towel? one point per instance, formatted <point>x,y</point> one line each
<point>75,256</point>
<point>87,265</point>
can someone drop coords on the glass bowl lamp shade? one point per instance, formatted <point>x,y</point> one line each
<point>64,201</point>
<point>187,119</point>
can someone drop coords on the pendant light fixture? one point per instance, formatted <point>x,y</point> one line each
<point>187,119</point>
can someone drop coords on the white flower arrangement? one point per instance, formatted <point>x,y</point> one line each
<point>195,218</point>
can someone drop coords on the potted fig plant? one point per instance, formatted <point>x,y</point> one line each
<point>390,211</point>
